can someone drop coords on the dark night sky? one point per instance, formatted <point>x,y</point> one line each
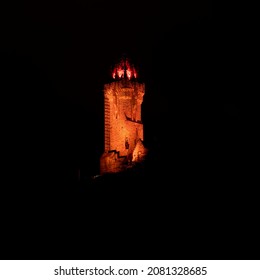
<point>56,57</point>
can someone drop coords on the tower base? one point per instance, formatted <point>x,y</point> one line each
<point>112,162</point>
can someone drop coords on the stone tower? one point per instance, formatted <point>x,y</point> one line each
<point>123,135</point>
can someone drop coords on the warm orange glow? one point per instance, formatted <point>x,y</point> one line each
<point>123,145</point>
<point>124,68</point>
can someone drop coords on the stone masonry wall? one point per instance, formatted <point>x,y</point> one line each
<point>123,126</point>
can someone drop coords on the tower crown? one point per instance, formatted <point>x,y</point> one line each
<point>124,70</point>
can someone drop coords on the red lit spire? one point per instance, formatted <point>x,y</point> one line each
<point>124,69</point>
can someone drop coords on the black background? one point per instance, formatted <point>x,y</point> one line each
<point>55,58</point>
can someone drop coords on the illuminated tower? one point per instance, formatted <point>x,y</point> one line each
<point>123,139</point>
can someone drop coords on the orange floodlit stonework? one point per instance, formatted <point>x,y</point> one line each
<point>123,141</point>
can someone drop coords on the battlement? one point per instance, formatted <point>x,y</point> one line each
<point>124,88</point>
